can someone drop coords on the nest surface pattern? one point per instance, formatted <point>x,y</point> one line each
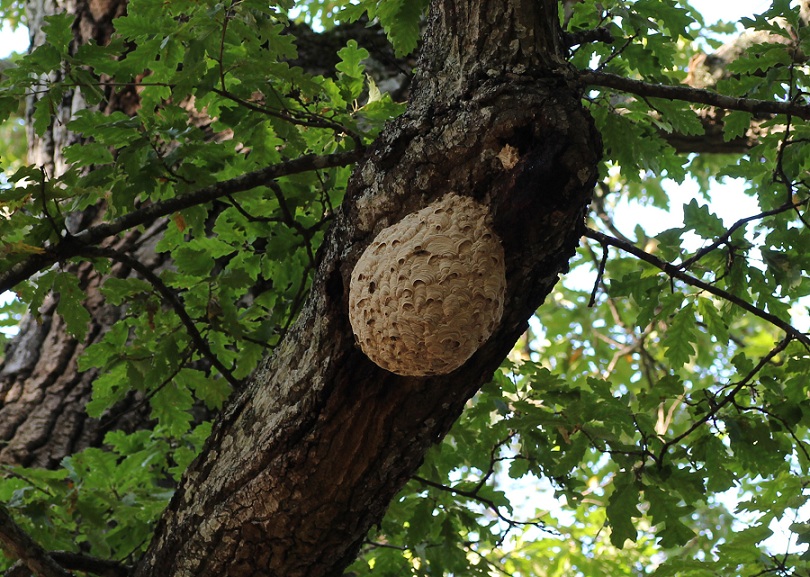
<point>429,290</point>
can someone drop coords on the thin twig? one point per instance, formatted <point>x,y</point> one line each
<point>129,408</point>
<point>290,221</point>
<point>601,211</point>
<point>599,274</point>
<point>715,409</point>
<point>725,236</point>
<point>385,545</point>
<point>43,191</point>
<point>601,34</point>
<point>473,495</point>
<point>675,272</point>
<point>297,302</point>
<point>312,120</point>
<point>11,471</point>
<point>173,300</point>
<point>800,443</point>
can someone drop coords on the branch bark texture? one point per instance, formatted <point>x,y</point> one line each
<point>16,543</point>
<point>696,95</point>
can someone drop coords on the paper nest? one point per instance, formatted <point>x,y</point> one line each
<point>429,290</point>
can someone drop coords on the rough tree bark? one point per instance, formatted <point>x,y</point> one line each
<point>306,459</point>
<point>42,394</point>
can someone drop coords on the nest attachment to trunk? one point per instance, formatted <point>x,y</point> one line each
<point>429,290</point>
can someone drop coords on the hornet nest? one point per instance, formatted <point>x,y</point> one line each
<point>429,290</point>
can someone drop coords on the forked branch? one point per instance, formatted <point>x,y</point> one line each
<point>675,272</point>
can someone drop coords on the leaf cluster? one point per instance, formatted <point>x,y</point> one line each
<point>103,502</point>
<point>204,293</point>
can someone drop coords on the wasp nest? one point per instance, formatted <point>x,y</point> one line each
<point>428,291</point>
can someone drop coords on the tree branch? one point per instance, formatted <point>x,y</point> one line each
<point>311,120</point>
<point>601,34</point>
<point>76,562</point>
<point>87,564</point>
<point>74,245</point>
<point>727,235</point>
<point>17,544</point>
<point>675,272</point>
<point>696,95</point>
<point>172,299</point>
<point>490,504</point>
<point>781,346</point>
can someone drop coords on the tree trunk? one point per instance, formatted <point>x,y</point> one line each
<point>306,459</point>
<point>42,394</point>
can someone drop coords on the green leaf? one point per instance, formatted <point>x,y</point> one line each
<point>713,319</point>
<point>44,111</point>
<point>675,534</point>
<point>736,124</point>
<point>71,305</point>
<point>622,508</point>
<point>108,389</point>
<point>702,220</point>
<point>87,154</point>
<point>351,57</point>
<point>680,337</point>
<point>401,20</point>
<point>59,31</point>
<point>352,68</point>
<point>171,406</point>
<point>211,391</point>
<point>118,290</point>
<point>742,545</point>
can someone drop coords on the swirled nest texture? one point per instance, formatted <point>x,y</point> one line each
<point>429,290</point>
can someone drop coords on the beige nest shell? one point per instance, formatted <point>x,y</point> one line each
<point>429,290</point>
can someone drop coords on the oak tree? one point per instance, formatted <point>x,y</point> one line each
<point>186,395</point>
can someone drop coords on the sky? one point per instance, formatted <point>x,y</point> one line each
<point>12,40</point>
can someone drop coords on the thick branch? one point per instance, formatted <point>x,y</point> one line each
<point>17,544</point>
<point>75,245</point>
<point>79,562</point>
<point>696,95</point>
<point>676,272</point>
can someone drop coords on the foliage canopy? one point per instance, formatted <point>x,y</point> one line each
<point>655,421</point>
